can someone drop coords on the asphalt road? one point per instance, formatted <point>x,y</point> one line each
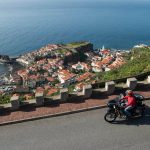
<point>81,131</point>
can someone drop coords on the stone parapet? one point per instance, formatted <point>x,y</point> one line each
<point>39,98</point>
<point>148,79</point>
<point>15,103</point>
<point>28,102</point>
<point>64,94</point>
<point>131,83</point>
<point>56,98</point>
<point>110,87</point>
<point>87,91</point>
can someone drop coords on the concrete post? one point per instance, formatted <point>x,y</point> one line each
<point>64,94</point>
<point>148,79</point>
<point>15,102</point>
<point>55,101</point>
<point>87,90</point>
<point>110,87</point>
<point>39,98</point>
<point>132,83</point>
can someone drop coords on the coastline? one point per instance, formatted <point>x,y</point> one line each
<point>73,67</point>
<point>9,65</point>
<point>11,69</point>
<point>3,69</point>
<point>12,66</point>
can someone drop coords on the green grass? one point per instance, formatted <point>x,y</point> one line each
<point>4,99</point>
<point>76,44</point>
<point>62,51</point>
<point>54,94</point>
<point>71,88</point>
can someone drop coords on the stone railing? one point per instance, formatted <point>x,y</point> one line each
<point>65,96</point>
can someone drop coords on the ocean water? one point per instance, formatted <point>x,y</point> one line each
<point>3,69</point>
<point>27,25</point>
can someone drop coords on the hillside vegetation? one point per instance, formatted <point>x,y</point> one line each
<point>76,44</point>
<point>137,62</point>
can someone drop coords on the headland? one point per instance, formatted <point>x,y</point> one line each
<point>71,66</point>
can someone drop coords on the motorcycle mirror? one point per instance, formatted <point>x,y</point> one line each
<point>121,96</point>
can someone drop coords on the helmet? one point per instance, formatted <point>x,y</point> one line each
<point>129,92</point>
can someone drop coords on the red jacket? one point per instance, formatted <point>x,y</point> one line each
<point>131,101</point>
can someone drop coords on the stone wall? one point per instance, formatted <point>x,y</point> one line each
<point>87,91</point>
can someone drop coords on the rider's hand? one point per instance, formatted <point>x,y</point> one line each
<point>123,104</point>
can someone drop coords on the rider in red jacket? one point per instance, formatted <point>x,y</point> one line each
<point>131,102</point>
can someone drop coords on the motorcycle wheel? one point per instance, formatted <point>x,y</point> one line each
<point>110,117</point>
<point>143,111</point>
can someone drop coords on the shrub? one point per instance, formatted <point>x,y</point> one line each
<point>4,99</point>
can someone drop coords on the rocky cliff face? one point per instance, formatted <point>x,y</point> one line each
<point>6,59</point>
<point>78,54</point>
<point>85,48</point>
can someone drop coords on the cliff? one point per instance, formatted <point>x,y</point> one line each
<point>6,59</point>
<point>79,49</point>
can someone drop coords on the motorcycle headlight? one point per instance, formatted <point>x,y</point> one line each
<point>141,97</point>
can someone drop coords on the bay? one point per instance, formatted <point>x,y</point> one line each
<point>28,25</point>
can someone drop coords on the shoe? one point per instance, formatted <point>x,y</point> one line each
<point>128,117</point>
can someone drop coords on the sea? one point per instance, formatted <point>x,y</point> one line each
<point>27,25</point>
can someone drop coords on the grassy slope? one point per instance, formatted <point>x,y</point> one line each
<point>137,62</point>
<point>76,44</point>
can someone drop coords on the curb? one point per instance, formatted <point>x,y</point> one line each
<point>57,114</point>
<point>53,115</point>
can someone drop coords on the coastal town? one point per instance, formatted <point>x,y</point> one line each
<point>57,66</point>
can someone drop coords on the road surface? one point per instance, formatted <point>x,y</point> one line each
<point>81,131</point>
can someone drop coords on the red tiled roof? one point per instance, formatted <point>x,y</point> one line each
<point>106,51</point>
<point>39,89</point>
<point>80,85</point>
<point>84,76</point>
<point>65,72</point>
<point>98,63</point>
<point>107,60</point>
<point>52,91</point>
<point>46,87</point>
<point>22,72</point>
<point>67,75</point>
<point>116,64</point>
<point>33,77</point>
<point>50,79</point>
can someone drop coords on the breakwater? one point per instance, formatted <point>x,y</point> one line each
<point>7,59</point>
<point>8,65</point>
